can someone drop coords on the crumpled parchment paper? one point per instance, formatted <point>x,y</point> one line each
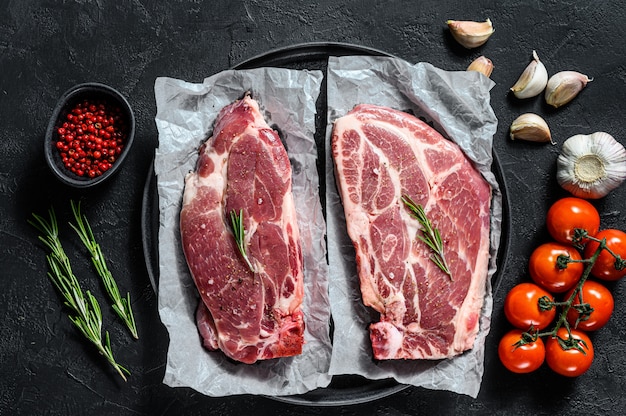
<point>457,103</point>
<point>185,116</point>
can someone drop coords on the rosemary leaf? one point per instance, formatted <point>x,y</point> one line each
<point>85,310</point>
<point>239,234</point>
<point>431,237</point>
<point>121,306</point>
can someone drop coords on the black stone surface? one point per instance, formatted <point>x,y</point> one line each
<point>48,46</point>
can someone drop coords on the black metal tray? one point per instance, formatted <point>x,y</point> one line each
<point>345,389</point>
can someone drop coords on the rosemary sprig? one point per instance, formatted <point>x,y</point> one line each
<point>430,236</point>
<point>121,306</point>
<point>239,233</point>
<point>87,316</point>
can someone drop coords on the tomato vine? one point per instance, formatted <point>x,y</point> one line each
<point>566,338</point>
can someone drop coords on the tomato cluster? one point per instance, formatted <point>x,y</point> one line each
<point>562,302</point>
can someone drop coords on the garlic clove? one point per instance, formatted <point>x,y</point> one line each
<point>530,127</point>
<point>532,81</point>
<point>470,34</point>
<point>591,166</point>
<point>563,86</point>
<point>482,65</point>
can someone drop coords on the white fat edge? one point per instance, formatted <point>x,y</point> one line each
<point>478,288</point>
<point>294,301</point>
<point>290,212</point>
<point>190,188</point>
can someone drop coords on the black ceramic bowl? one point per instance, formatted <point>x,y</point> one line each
<point>98,94</point>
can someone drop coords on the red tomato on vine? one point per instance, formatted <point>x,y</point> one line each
<point>521,355</point>
<point>568,214</point>
<point>569,357</point>
<point>606,267</point>
<point>600,306</point>
<point>521,307</point>
<point>545,270</point>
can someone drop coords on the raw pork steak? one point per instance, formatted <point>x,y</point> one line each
<point>248,315</point>
<point>381,155</point>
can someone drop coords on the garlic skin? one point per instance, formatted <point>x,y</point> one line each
<point>564,86</point>
<point>482,65</point>
<point>470,34</point>
<point>532,81</point>
<point>530,127</point>
<point>591,166</point>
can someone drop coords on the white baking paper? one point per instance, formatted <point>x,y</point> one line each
<point>457,103</point>
<point>185,116</point>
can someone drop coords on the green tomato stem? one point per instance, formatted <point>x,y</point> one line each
<point>562,320</point>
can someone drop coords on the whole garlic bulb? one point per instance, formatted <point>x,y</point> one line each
<point>591,166</point>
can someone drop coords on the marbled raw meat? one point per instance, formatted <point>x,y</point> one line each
<point>380,155</point>
<point>244,166</point>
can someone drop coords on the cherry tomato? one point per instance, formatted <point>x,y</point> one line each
<point>604,267</point>
<point>521,307</point>
<point>567,214</point>
<point>599,298</point>
<point>569,362</point>
<point>544,271</point>
<point>523,358</point>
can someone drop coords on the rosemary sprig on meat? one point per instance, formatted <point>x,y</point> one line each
<point>121,306</point>
<point>86,314</point>
<point>239,233</point>
<point>429,235</point>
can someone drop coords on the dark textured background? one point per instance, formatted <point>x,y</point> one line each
<point>48,46</point>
